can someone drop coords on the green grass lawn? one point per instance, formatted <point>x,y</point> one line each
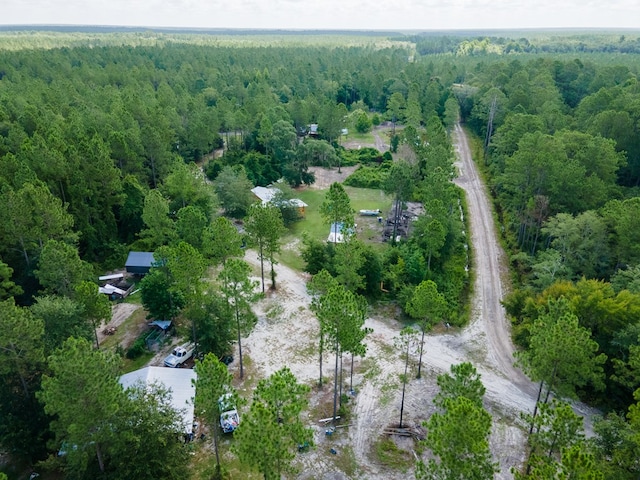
<point>366,138</point>
<point>313,225</point>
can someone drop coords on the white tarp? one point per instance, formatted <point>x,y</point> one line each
<point>109,289</point>
<point>338,232</point>
<point>177,380</point>
<point>115,276</point>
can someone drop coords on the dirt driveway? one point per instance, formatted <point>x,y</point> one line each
<point>287,334</point>
<point>119,313</point>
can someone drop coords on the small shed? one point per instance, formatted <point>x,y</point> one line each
<point>139,263</point>
<point>268,195</point>
<point>265,194</point>
<point>299,204</point>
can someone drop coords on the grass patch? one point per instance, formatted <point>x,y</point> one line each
<point>135,296</point>
<point>313,224</point>
<point>203,462</point>
<point>294,261</point>
<point>368,199</point>
<point>371,368</point>
<point>290,254</point>
<point>366,138</point>
<point>388,350</point>
<point>388,391</point>
<point>323,408</point>
<point>388,454</point>
<point>345,460</point>
<point>308,351</point>
<point>275,312</point>
<point>135,321</point>
<point>246,386</point>
<point>139,362</point>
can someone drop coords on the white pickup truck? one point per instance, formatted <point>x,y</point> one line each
<point>179,355</point>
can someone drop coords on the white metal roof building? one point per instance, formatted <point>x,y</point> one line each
<point>267,194</point>
<point>177,380</point>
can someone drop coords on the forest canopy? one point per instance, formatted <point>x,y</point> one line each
<point>117,141</point>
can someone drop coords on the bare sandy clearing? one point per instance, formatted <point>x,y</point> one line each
<point>287,334</point>
<point>326,176</point>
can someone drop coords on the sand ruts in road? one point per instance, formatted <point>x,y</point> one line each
<point>287,334</point>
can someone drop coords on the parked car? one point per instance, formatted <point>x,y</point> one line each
<point>180,355</point>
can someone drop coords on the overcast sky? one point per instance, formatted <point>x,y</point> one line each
<point>328,14</point>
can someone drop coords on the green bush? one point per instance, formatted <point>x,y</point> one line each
<point>137,349</point>
<point>364,155</point>
<point>369,155</point>
<point>363,123</point>
<point>348,158</point>
<point>344,410</point>
<point>368,177</point>
<point>318,255</point>
<point>390,455</point>
<point>213,168</point>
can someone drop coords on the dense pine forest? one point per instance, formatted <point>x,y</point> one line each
<point>151,141</point>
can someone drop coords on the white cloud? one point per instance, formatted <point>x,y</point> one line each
<point>342,14</point>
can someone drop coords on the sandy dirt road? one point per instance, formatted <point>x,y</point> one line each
<point>489,268</point>
<point>287,335</point>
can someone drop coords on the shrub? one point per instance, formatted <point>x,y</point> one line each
<point>369,155</point>
<point>390,455</point>
<point>363,123</point>
<point>348,158</point>
<point>120,350</point>
<point>368,177</point>
<point>318,255</point>
<point>137,349</point>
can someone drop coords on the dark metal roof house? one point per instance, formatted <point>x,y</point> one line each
<point>139,263</point>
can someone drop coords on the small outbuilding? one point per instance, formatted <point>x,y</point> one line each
<point>139,263</point>
<point>269,194</point>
